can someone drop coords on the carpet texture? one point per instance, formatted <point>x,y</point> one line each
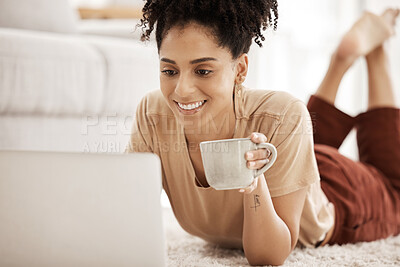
<point>186,250</point>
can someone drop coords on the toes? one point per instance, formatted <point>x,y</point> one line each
<point>390,15</point>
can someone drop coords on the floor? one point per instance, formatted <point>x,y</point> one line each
<point>186,250</point>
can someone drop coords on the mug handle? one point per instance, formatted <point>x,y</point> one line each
<point>271,162</point>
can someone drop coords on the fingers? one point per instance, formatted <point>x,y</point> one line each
<point>258,138</point>
<point>251,187</point>
<point>258,154</point>
<point>257,164</point>
<point>256,159</point>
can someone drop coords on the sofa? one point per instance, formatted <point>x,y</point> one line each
<point>64,90</point>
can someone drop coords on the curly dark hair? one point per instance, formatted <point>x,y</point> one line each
<point>234,23</point>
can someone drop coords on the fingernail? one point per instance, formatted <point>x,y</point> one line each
<point>252,164</point>
<point>241,190</point>
<point>267,160</point>
<point>249,155</point>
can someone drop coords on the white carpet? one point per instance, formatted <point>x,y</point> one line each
<point>186,250</point>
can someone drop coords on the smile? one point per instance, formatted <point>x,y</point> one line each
<point>190,108</point>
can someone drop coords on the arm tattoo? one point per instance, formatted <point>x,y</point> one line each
<point>256,202</point>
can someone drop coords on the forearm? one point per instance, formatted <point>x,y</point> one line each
<point>266,237</point>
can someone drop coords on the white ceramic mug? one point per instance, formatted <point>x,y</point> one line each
<point>225,164</point>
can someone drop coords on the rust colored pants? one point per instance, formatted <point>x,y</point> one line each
<point>366,193</point>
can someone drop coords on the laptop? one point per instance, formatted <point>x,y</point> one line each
<point>80,209</point>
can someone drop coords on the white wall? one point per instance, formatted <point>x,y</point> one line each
<point>103,3</point>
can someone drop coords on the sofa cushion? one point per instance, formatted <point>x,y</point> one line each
<point>42,15</point>
<point>132,71</point>
<point>49,73</point>
<point>59,74</point>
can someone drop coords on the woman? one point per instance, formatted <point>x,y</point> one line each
<point>203,49</point>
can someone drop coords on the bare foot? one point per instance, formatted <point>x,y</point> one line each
<point>390,16</point>
<point>369,32</point>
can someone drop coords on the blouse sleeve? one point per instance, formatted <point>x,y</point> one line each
<point>141,139</point>
<point>295,166</point>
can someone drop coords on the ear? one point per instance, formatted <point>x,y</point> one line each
<point>242,64</point>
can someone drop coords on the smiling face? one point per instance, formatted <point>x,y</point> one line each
<point>197,76</point>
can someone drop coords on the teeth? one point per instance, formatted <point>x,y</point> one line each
<point>191,106</point>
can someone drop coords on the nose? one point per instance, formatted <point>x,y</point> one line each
<point>185,87</point>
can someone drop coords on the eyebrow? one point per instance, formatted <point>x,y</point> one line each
<point>195,61</point>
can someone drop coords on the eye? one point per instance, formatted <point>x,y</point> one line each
<point>169,72</point>
<point>202,72</point>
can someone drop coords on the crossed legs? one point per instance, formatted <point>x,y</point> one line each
<point>378,129</point>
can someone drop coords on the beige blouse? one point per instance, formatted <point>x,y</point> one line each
<point>217,216</point>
